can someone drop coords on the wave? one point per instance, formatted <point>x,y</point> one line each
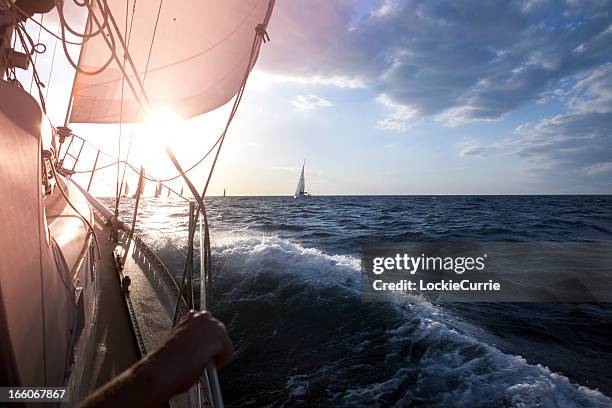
<point>304,337</point>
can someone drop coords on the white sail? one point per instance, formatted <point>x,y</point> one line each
<point>199,57</point>
<point>301,186</point>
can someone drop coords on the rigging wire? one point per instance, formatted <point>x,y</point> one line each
<point>26,16</point>
<point>143,82</point>
<point>52,65</point>
<point>42,17</point>
<point>143,93</point>
<point>118,186</point>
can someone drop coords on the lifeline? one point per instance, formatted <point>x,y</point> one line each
<point>405,285</point>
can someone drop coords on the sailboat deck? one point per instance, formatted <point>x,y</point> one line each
<point>152,314</point>
<point>115,347</point>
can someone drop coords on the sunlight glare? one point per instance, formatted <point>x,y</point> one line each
<point>158,132</point>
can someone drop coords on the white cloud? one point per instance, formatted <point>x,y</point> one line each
<point>598,168</point>
<point>473,148</point>
<point>399,118</point>
<point>593,93</point>
<point>310,102</point>
<point>337,81</point>
<point>387,8</point>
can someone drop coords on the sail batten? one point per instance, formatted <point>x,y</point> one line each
<point>199,57</point>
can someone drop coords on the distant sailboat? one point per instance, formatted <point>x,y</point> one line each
<point>139,189</point>
<point>158,189</point>
<point>181,191</point>
<point>300,191</point>
<point>126,189</point>
<point>168,195</point>
<point>223,192</point>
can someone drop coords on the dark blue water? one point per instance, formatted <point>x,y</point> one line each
<point>286,283</point>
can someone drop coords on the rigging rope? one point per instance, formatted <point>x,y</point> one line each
<point>91,15</point>
<point>42,16</point>
<point>23,36</point>
<point>62,18</point>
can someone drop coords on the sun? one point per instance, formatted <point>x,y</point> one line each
<point>161,126</point>
<point>162,129</point>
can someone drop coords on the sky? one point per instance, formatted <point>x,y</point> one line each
<point>403,97</point>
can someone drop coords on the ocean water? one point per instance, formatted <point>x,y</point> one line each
<point>287,285</point>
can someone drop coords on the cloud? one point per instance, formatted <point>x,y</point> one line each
<point>593,93</point>
<point>400,116</point>
<point>310,102</point>
<point>458,62</point>
<point>337,81</point>
<point>598,168</point>
<point>579,140</point>
<point>473,148</point>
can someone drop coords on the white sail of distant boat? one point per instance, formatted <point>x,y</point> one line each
<point>223,192</point>
<point>139,189</point>
<point>158,189</point>
<point>168,195</point>
<point>126,189</point>
<point>300,191</point>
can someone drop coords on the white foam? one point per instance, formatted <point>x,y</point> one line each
<point>455,370</point>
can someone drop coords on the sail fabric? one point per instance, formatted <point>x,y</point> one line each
<point>301,187</point>
<point>198,59</point>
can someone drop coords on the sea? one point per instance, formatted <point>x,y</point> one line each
<point>286,282</point>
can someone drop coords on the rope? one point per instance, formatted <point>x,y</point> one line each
<point>64,23</point>
<point>97,169</point>
<point>42,16</point>
<point>23,36</point>
<point>112,45</point>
